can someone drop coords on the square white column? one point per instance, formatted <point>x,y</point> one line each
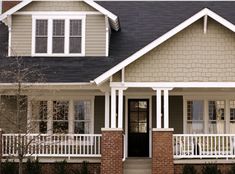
<point>166,108</point>
<point>158,111</point>
<point>107,114</point>
<point>113,108</point>
<point>120,108</point>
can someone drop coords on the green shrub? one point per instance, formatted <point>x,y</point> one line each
<point>33,167</point>
<point>60,167</point>
<point>232,169</point>
<point>210,169</point>
<point>189,169</point>
<point>9,167</point>
<point>84,169</point>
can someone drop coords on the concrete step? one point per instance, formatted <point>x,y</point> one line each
<point>137,166</point>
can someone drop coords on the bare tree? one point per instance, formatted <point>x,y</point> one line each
<point>19,72</point>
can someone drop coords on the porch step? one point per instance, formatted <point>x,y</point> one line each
<point>137,166</point>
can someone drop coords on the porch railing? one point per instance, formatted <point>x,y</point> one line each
<point>204,146</point>
<point>55,145</point>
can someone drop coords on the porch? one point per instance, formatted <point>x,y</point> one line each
<point>70,126</point>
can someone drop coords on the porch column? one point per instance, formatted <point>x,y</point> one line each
<point>113,108</point>
<point>158,107</point>
<point>107,94</point>
<point>50,117</point>
<point>120,108</point>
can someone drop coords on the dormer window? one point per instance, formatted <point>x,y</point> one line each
<point>58,36</point>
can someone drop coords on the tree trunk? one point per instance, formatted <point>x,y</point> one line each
<point>20,165</point>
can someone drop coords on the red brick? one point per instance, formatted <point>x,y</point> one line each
<point>112,152</point>
<point>162,152</point>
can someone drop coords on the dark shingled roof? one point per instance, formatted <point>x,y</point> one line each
<point>141,22</point>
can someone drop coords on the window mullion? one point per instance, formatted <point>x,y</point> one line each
<point>67,33</point>
<point>50,33</point>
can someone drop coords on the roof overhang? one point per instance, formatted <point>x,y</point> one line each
<point>163,38</point>
<point>114,22</point>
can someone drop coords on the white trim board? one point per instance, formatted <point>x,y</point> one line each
<point>163,38</point>
<point>172,85</point>
<point>111,16</point>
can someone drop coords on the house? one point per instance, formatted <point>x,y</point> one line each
<point>125,83</point>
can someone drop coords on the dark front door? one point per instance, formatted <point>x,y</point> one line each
<point>138,127</point>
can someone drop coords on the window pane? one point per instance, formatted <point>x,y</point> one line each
<point>60,110</point>
<point>41,36</point>
<point>75,27</point>
<point>75,36</point>
<point>216,117</point>
<point>58,36</point>
<point>75,45</point>
<point>82,128</point>
<point>82,117</point>
<point>195,112</point>
<point>60,127</point>
<point>41,27</point>
<point>232,116</point>
<point>58,27</point>
<point>58,45</point>
<point>41,45</point>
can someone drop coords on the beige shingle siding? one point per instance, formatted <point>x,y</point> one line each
<point>95,35</point>
<point>190,56</point>
<point>57,6</point>
<point>21,35</point>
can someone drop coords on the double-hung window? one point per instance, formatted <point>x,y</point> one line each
<point>62,116</point>
<point>58,36</point>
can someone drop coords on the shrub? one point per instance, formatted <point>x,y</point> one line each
<point>210,169</point>
<point>232,169</point>
<point>84,169</point>
<point>9,167</point>
<point>60,167</point>
<point>33,167</point>
<point>189,169</point>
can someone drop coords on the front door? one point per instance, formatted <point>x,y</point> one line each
<point>138,128</point>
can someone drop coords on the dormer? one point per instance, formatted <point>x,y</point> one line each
<point>64,28</point>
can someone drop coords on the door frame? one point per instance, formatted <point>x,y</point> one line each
<point>127,97</point>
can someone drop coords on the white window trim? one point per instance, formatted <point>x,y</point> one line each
<point>50,18</point>
<point>64,98</point>
<point>205,99</point>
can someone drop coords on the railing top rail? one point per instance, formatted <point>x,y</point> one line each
<point>197,135</point>
<point>82,135</point>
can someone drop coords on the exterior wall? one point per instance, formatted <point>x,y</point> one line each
<point>8,115</point>
<point>57,6</point>
<point>95,34</point>
<point>99,114</point>
<point>175,113</point>
<point>21,35</point>
<point>189,56</point>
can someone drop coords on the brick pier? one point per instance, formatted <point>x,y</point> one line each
<point>162,151</point>
<point>112,151</point>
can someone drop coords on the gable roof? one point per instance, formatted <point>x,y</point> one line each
<point>113,18</point>
<point>163,38</point>
<point>141,22</point>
